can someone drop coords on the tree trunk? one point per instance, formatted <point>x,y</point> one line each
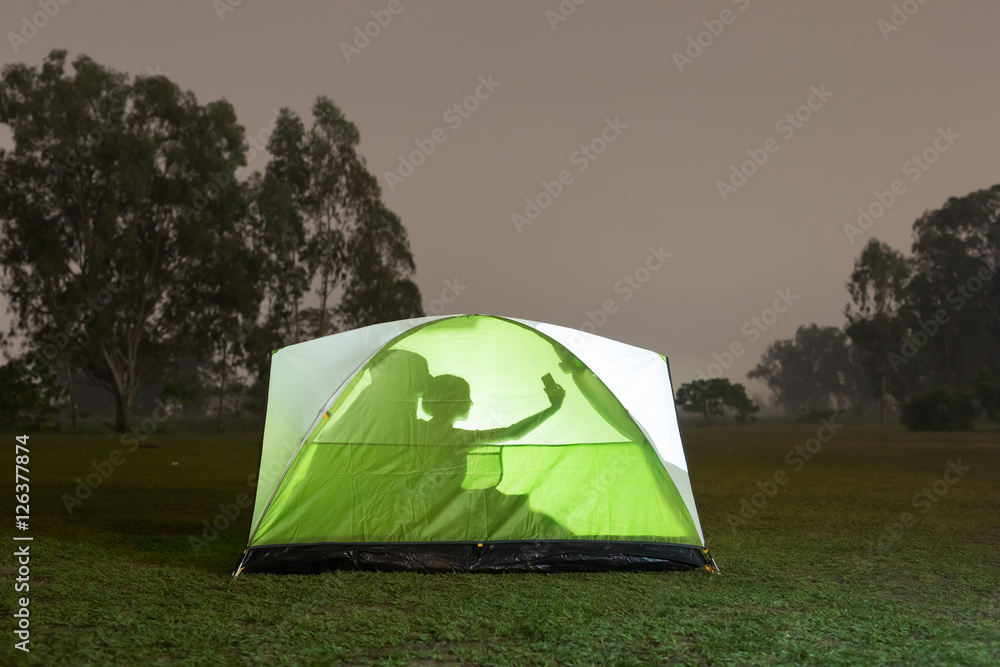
<point>222,388</point>
<point>123,411</point>
<point>295,323</point>
<point>237,407</point>
<point>882,401</point>
<point>72,395</point>
<point>125,385</point>
<point>324,293</point>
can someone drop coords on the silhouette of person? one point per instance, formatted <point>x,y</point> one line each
<point>385,412</point>
<point>448,400</point>
<point>416,468</point>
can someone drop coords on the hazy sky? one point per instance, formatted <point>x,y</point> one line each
<point>675,116</point>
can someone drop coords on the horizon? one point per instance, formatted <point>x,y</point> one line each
<point>749,170</point>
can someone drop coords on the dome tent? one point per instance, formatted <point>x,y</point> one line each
<point>471,443</point>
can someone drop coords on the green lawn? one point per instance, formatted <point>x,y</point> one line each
<point>814,577</point>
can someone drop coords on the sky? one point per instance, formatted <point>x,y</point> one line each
<point>659,173</point>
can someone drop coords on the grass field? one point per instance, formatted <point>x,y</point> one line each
<point>812,575</point>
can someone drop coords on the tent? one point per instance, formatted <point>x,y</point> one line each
<point>471,443</point>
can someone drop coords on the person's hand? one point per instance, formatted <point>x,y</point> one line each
<point>554,391</point>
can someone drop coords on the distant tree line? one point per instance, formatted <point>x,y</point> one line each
<point>920,331</point>
<point>716,397</point>
<point>133,256</point>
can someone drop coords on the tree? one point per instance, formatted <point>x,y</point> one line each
<point>711,398</point>
<point>279,232</point>
<point>877,316</point>
<point>988,393</point>
<point>28,401</point>
<point>379,289</point>
<point>222,327</point>
<point>321,200</point>
<point>737,400</point>
<point>816,369</point>
<point>324,234</point>
<point>121,219</point>
<point>943,409</point>
<point>701,397</point>
<point>955,290</point>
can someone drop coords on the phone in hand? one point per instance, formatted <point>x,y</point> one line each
<point>555,392</point>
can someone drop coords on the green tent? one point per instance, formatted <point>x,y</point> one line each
<point>471,443</point>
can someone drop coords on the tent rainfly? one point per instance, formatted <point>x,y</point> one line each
<point>472,443</point>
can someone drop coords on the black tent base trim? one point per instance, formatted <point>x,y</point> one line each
<point>496,557</point>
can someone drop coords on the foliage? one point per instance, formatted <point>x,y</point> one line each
<point>28,397</point>
<point>378,289</point>
<point>988,393</point>
<point>130,247</point>
<point>123,237</point>
<point>933,319</point>
<point>877,316</point>
<point>956,251</point>
<point>816,369</point>
<point>929,320</point>
<point>940,410</point>
<point>322,211</point>
<point>711,398</point>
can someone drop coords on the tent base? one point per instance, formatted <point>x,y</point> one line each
<point>497,557</point>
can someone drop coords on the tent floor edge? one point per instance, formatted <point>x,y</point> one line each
<point>489,557</point>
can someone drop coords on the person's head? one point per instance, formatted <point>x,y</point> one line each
<point>448,397</point>
<point>400,372</point>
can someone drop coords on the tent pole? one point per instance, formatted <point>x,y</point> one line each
<point>246,552</point>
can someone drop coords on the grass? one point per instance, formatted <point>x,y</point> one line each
<point>812,578</point>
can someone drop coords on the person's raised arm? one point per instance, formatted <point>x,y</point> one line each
<point>522,428</point>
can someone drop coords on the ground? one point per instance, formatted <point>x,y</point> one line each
<point>841,559</point>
